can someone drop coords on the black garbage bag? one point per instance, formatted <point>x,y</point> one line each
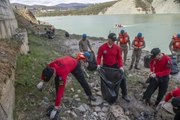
<point>66,34</point>
<point>147,60</point>
<point>92,65</point>
<point>174,67</point>
<point>110,82</point>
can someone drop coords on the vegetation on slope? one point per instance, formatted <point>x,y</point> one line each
<point>92,10</point>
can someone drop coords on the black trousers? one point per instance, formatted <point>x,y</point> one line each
<point>78,74</point>
<point>161,83</point>
<point>177,117</point>
<point>123,82</point>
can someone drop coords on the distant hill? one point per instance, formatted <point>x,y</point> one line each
<point>72,5</point>
<point>93,9</point>
<point>63,6</point>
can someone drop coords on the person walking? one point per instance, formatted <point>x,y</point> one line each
<point>160,68</point>
<point>84,44</point>
<point>138,44</point>
<point>111,55</point>
<point>124,41</point>
<point>61,67</point>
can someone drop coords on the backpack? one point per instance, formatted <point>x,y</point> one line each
<point>174,67</point>
<point>92,65</point>
<point>147,60</point>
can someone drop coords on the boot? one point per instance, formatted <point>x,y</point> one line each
<point>91,97</point>
<point>130,67</point>
<point>135,67</point>
<point>125,97</point>
<point>147,102</point>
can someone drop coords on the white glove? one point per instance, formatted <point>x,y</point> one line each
<point>121,68</point>
<point>40,85</point>
<point>53,113</point>
<point>150,74</point>
<point>160,105</point>
<point>153,75</point>
<point>98,67</point>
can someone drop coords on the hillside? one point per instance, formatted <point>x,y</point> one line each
<point>91,10</point>
<point>144,7</point>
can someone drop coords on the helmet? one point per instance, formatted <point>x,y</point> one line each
<point>87,54</point>
<point>178,35</point>
<point>84,36</point>
<point>139,34</point>
<point>122,31</point>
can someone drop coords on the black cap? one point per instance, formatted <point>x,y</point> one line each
<point>154,52</point>
<point>47,73</point>
<point>112,36</point>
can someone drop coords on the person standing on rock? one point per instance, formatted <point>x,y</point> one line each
<point>138,44</point>
<point>124,41</point>
<point>111,54</point>
<point>174,46</point>
<point>61,67</point>
<point>84,44</point>
<point>160,68</point>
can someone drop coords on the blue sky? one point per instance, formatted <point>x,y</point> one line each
<point>55,2</point>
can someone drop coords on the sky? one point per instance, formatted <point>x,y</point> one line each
<point>55,2</point>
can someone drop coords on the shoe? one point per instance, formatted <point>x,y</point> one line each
<point>91,97</point>
<point>125,97</point>
<point>136,68</point>
<point>147,102</point>
<point>130,67</point>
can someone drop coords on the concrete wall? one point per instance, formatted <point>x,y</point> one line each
<point>8,23</point>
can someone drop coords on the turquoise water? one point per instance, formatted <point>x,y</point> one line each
<point>156,29</point>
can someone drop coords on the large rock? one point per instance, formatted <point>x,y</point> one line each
<point>8,22</point>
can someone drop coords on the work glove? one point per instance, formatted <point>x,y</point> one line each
<point>122,69</point>
<point>40,85</point>
<point>54,112</point>
<point>160,105</point>
<point>98,67</point>
<point>150,74</point>
<point>153,75</point>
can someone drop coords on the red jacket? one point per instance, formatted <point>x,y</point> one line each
<point>161,67</point>
<point>111,55</point>
<point>62,66</point>
<point>173,93</point>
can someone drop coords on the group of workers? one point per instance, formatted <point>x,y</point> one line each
<point>110,55</point>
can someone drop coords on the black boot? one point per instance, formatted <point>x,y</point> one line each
<point>91,97</point>
<point>125,97</point>
<point>130,67</point>
<point>135,67</point>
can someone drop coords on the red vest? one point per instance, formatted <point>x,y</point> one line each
<point>138,42</point>
<point>176,42</point>
<point>123,38</point>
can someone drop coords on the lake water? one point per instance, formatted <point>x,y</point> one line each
<point>156,29</point>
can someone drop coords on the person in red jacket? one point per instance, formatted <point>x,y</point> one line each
<point>160,67</point>
<point>111,54</point>
<point>61,67</point>
<point>175,96</point>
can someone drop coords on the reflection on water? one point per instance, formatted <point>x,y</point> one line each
<point>157,29</point>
